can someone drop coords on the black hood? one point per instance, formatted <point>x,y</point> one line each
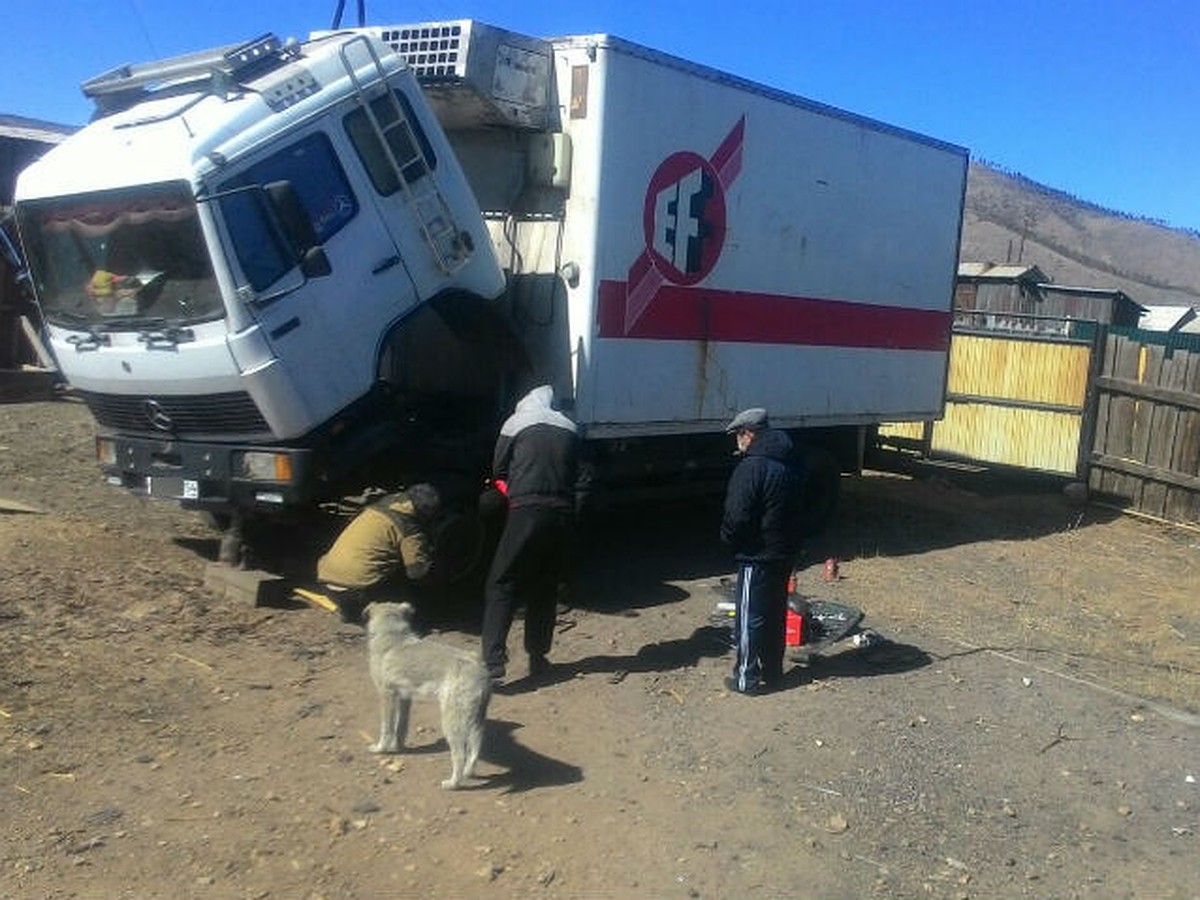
<point>771,443</point>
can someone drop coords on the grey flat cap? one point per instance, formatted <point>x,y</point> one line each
<point>749,420</point>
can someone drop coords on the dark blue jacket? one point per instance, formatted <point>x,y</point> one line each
<point>762,502</point>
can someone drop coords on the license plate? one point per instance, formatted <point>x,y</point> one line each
<point>172,487</point>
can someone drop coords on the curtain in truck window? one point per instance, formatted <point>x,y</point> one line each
<point>316,174</point>
<point>404,136</point>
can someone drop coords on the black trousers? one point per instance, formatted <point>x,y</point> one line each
<point>760,622</point>
<point>532,559</point>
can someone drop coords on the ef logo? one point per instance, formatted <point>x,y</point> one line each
<point>684,218</point>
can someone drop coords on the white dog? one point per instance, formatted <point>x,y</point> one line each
<point>403,666</point>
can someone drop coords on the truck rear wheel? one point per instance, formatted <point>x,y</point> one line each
<point>822,485</point>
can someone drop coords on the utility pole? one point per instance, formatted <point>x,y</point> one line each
<point>341,6</point>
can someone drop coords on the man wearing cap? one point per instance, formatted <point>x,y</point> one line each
<point>761,523</point>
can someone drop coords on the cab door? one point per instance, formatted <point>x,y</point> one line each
<point>325,331</point>
<point>401,164</point>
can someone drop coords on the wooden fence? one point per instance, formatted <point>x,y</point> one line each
<point>1146,452</point>
<point>1117,407</point>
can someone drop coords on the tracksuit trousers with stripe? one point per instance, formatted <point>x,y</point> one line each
<point>760,620</point>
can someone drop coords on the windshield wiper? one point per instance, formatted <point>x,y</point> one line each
<point>132,322</point>
<point>68,318</point>
<point>90,341</point>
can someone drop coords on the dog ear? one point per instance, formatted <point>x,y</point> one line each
<point>367,612</point>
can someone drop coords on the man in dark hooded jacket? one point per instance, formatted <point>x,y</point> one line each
<point>536,457</point>
<point>761,523</point>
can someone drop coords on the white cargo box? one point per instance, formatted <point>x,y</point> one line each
<point>739,246</point>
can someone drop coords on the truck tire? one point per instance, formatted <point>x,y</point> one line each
<point>822,485</point>
<point>462,551</point>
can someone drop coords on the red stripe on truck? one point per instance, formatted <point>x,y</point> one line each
<point>682,313</point>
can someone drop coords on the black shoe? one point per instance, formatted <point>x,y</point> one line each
<point>538,665</point>
<point>753,690</point>
<point>351,611</point>
<point>496,674</point>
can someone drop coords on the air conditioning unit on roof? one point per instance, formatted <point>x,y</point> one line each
<point>475,74</point>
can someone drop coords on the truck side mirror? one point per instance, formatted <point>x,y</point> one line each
<point>298,229</point>
<point>314,263</point>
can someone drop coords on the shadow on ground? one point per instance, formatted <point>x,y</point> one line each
<point>886,658</point>
<point>712,642</point>
<point>525,769</point>
<point>917,506</point>
<point>633,556</point>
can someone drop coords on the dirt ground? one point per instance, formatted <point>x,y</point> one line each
<point>1030,728</point>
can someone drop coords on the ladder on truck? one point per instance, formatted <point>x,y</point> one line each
<point>421,193</point>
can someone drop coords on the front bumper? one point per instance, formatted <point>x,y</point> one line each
<point>206,476</point>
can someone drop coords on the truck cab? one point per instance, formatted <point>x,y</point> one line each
<point>225,255</point>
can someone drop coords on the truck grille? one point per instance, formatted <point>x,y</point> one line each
<point>194,415</point>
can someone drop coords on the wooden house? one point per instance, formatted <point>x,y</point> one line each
<point>21,141</point>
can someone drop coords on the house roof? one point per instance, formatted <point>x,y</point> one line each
<point>24,129</point>
<point>1005,272</point>
<point>1170,318</point>
<point>1101,293</point>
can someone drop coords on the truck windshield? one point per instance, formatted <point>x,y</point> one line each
<point>117,258</point>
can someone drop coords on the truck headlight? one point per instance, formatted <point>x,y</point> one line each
<point>106,451</point>
<point>266,466</point>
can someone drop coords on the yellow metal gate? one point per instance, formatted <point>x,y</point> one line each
<point>1016,398</point>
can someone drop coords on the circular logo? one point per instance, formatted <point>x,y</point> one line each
<point>156,415</point>
<point>684,218</point>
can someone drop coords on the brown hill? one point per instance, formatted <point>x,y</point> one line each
<point>1010,218</point>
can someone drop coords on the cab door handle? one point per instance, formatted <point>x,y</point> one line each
<point>385,265</point>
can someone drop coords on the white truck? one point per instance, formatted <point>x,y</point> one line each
<point>279,271</point>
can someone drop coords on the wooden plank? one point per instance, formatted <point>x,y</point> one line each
<point>250,586</point>
<point>1100,481</point>
<point>1150,360</point>
<point>1187,441</point>
<point>1182,505</point>
<point>1140,471</point>
<point>1172,378</point>
<point>1173,382</point>
<point>16,506</point>
<point>43,355</point>
<point>1135,389</point>
<point>1120,428</point>
<point>1087,423</point>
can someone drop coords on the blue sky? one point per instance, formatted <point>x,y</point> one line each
<point>1098,99</point>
